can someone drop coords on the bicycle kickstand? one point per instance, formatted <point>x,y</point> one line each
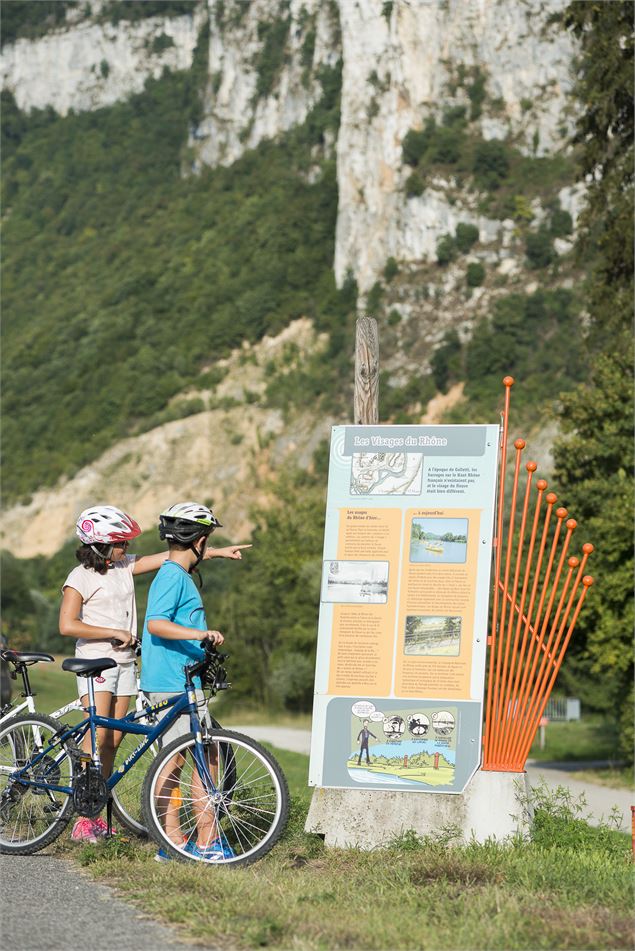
<point>109,818</point>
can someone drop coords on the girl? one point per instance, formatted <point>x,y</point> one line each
<point>99,609</point>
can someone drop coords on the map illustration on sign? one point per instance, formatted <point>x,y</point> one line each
<point>386,473</point>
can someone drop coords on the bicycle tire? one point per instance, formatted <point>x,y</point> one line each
<point>35,818</point>
<point>249,816</point>
<point>126,794</point>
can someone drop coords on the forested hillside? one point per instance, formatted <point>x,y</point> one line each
<point>131,268</point>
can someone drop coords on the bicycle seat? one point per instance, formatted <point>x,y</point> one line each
<point>87,667</point>
<point>25,657</point>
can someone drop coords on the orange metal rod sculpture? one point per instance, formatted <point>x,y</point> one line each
<point>522,670</point>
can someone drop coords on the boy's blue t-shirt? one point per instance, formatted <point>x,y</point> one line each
<point>173,597</point>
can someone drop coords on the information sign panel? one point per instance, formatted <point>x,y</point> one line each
<point>403,607</point>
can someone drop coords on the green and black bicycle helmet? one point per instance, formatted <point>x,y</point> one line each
<point>186,522</point>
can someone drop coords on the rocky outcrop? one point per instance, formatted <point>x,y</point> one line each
<point>234,446</point>
<point>89,64</point>
<point>264,65</point>
<point>402,63</point>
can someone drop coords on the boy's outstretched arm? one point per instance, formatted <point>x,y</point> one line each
<point>176,632</point>
<point>231,551</point>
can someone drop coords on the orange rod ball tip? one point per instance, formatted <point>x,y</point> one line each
<point>531,467</point>
<point>573,562</point>
<point>520,444</point>
<point>552,498</point>
<point>587,548</point>
<point>561,513</point>
<point>508,381</point>
<point>541,484</point>
<point>571,524</point>
<point>587,581</point>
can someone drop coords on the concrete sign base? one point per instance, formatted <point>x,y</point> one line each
<point>493,806</point>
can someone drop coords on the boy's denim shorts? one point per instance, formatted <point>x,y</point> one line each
<point>181,726</point>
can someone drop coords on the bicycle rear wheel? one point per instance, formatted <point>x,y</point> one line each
<point>126,794</point>
<point>32,818</point>
<point>233,820</point>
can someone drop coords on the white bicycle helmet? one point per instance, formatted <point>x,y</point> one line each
<point>186,522</point>
<point>104,525</point>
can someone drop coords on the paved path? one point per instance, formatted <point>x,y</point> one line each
<point>600,799</point>
<point>48,903</point>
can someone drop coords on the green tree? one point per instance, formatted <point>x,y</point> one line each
<point>269,614</point>
<point>593,461</point>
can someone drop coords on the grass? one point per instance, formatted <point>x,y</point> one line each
<point>568,889</point>
<point>592,738</point>
<point>55,687</point>
<point>614,778</point>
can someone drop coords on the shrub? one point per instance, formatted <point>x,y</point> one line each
<point>446,361</point>
<point>539,249</point>
<point>446,249</point>
<point>391,270</point>
<point>416,142</point>
<point>475,274</point>
<point>414,186</point>
<point>465,236</point>
<point>561,223</point>
<point>455,116</point>
<point>160,43</point>
<point>491,164</point>
<point>394,318</point>
<point>272,56</point>
<point>476,94</point>
<point>373,301</point>
<point>446,145</point>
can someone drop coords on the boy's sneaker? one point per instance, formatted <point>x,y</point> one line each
<point>217,849</point>
<point>83,831</point>
<point>100,827</point>
<point>162,856</point>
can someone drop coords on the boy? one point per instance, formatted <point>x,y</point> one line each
<point>174,626</point>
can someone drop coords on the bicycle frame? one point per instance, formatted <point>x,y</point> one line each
<point>175,707</point>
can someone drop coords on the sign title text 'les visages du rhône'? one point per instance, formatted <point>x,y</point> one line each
<point>388,442</point>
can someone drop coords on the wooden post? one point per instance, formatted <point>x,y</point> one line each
<point>366,395</point>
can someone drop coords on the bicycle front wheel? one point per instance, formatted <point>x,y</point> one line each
<point>31,818</point>
<point>229,809</point>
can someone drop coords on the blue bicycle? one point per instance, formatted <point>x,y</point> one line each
<point>211,795</point>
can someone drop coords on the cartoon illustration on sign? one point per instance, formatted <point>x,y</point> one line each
<point>419,758</point>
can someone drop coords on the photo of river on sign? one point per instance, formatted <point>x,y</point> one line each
<point>438,540</point>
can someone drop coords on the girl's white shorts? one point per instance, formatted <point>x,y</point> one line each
<point>120,681</point>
